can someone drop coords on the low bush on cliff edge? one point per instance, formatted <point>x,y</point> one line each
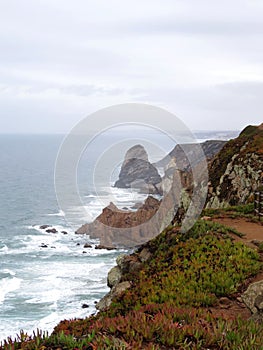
<point>166,307</point>
<point>245,210</point>
<point>193,271</point>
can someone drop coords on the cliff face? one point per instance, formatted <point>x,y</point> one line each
<point>179,154</point>
<point>118,227</point>
<point>237,171</point>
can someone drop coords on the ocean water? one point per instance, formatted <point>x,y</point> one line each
<point>47,277</point>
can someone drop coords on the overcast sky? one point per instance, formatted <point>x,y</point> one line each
<point>60,60</point>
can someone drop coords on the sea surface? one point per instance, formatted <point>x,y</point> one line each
<point>47,277</point>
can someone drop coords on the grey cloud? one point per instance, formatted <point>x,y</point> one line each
<point>70,58</point>
<point>193,27</point>
<point>223,106</point>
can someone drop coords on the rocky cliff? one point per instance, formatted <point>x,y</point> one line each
<point>237,170</point>
<point>116,227</point>
<point>234,174</point>
<point>179,155</point>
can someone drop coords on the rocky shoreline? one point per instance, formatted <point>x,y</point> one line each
<point>117,281</point>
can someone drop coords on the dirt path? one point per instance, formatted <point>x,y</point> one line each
<point>251,230</point>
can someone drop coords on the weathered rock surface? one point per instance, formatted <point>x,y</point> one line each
<point>51,230</point>
<point>117,276</point>
<point>138,172</point>
<point>253,298</point>
<point>105,302</point>
<point>115,227</point>
<point>114,276</point>
<point>181,154</point>
<point>237,170</point>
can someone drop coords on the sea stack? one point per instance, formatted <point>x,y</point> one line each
<point>137,172</point>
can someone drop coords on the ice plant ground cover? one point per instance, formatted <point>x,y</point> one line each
<point>170,301</point>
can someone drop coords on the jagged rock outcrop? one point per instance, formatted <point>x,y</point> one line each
<point>117,276</point>
<point>115,227</point>
<point>114,276</point>
<point>181,154</point>
<point>253,298</point>
<point>119,288</point>
<point>138,172</point>
<point>237,171</point>
<point>184,161</point>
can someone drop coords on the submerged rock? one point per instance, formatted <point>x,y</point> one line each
<point>101,246</point>
<point>43,227</point>
<point>43,245</point>
<point>87,245</point>
<point>51,230</point>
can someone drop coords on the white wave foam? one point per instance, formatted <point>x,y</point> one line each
<point>8,285</point>
<point>4,249</point>
<point>10,272</point>
<point>60,213</point>
<point>90,196</point>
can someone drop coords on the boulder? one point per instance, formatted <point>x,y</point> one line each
<point>43,245</point>
<point>253,298</point>
<point>114,276</point>
<point>43,227</point>
<point>128,263</point>
<point>87,245</point>
<point>118,289</point>
<point>101,246</point>
<point>145,255</point>
<point>51,230</point>
<point>121,261</point>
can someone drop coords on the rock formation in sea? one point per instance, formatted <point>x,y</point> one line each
<point>115,227</point>
<point>137,172</point>
<point>234,174</point>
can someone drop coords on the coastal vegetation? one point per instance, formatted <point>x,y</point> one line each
<point>189,291</point>
<point>174,299</point>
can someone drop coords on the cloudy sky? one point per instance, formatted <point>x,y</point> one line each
<point>61,60</point>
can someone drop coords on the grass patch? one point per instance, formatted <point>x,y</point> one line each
<point>246,209</point>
